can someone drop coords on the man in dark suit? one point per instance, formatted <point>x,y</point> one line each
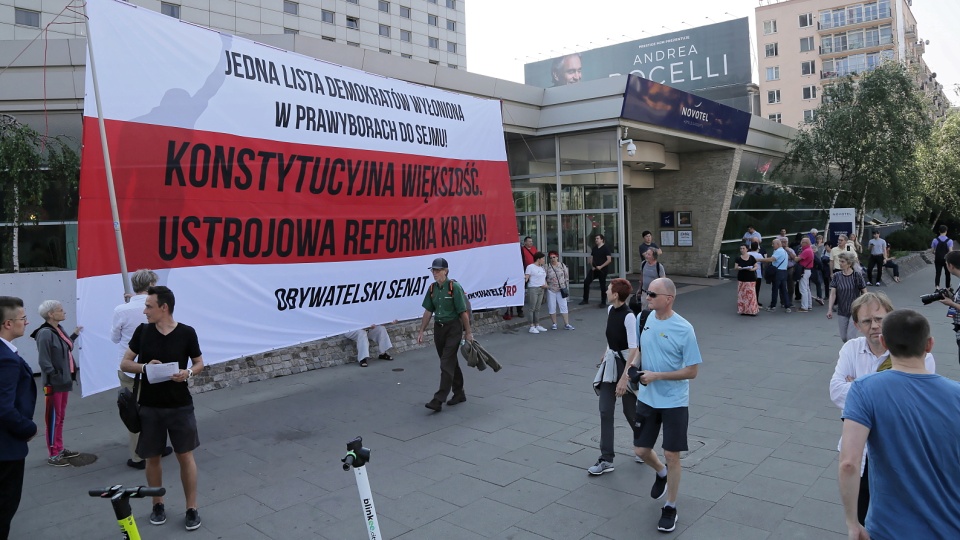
<point>18,397</point>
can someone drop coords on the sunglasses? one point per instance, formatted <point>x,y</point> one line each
<point>654,295</point>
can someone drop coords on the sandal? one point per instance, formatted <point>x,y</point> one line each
<point>363,363</point>
<point>385,356</point>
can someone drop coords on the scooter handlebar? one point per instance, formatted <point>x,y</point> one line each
<point>137,492</point>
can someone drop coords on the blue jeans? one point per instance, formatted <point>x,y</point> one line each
<point>780,286</point>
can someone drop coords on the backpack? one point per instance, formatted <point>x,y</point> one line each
<point>450,283</point>
<point>943,247</point>
<point>644,265</point>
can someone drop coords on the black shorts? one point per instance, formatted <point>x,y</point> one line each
<point>674,422</point>
<point>180,423</point>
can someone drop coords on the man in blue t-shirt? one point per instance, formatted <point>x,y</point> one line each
<point>908,416</point>
<point>670,357</point>
<point>781,261</point>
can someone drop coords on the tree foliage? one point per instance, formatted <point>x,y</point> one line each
<point>938,168</point>
<point>29,163</point>
<point>858,151</point>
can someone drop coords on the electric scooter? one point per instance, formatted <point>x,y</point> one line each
<point>120,499</point>
<point>356,459</point>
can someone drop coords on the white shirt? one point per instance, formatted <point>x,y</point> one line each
<point>538,275</point>
<point>856,360</point>
<point>8,344</point>
<point>126,318</point>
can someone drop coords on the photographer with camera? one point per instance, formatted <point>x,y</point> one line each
<point>948,297</point>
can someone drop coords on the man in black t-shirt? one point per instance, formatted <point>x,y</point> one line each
<point>600,260</point>
<point>166,407</point>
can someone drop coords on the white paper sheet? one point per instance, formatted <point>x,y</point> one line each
<point>158,373</point>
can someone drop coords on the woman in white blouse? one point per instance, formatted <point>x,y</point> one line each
<point>536,277</point>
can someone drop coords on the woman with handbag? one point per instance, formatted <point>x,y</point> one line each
<point>746,265</point>
<point>536,277</point>
<point>55,355</point>
<point>558,289</point>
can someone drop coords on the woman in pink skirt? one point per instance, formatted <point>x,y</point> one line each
<point>746,266</point>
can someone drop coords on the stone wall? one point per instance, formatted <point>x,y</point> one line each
<point>704,186</point>
<point>329,352</point>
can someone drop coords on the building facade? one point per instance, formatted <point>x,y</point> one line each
<point>428,30</point>
<point>804,45</point>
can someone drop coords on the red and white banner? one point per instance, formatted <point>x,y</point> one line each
<point>282,198</point>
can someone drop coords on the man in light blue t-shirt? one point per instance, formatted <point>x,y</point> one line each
<point>670,357</point>
<point>909,417</point>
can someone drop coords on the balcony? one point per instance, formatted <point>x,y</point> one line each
<point>868,44</point>
<point>867,18</point>
<point>910,31</point>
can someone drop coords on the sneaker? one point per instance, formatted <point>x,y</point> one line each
<point>568,327</point>
<point>533,330</point>
<point>456,399</point>
<point>542,329</point>
<point>58,461</point>
<point>879,284</point>
<point>553,326</point>
<point>801,310</point>
<point>159,515</point>
<point>789,310</point>
<point>193,519</point>
<point>434,405</point>
<point>668,519</point>
<point>138,465</point>
<point>819,300</point>
<point>583,303</point>
<point>600,468</point>
<point>770,309</point>
<point>68,453</point>
<point>659,488</point>
<point>637,459</point>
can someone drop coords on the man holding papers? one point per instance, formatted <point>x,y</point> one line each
<point>166,406</point>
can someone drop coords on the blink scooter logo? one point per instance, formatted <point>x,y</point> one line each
<point>368,511</point>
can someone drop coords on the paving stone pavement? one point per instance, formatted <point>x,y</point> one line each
<point>510,463</point>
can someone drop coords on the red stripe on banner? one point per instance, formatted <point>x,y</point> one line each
<point>193,198</point>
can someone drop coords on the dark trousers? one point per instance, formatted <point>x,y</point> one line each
<point>759,285</point>
<point>941,266</point>
<point>608,404</point>
<point>780,286</point>
<point>447,337</point>
<point>601,276</point>
<point>816,277</point>
<point>863,501</point>
<point>11,486</point>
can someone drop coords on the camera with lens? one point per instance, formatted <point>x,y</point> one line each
<point>635,374</point>
<point>936,296</point>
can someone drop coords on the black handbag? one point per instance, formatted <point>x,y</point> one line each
<point>129,408</point>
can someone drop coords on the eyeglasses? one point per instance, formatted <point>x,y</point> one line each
<point>651,294</point>
<point>24,319</point>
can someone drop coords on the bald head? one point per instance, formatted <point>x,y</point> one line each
<point>666,284</point>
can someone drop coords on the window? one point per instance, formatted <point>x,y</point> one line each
<point>385,51</point>
<point>806,44</point>
<point>826,45</point>
<point>769,27</point>
<point>432,1</point>
<point>451,47</point>
<point>405,12</point>
<point>383,6</point>
<point>170,10</point>
<point>773,73</point>
<point>434,43</point>
<point>291,8</point>
<point>809,115</point>
<point>432,20</point>
<point>776,117</point>
<point>290,31</point>
<point>384,30</point>
<point>406,35</point>
<point>808,68</point>
<point>773,96</point>
<point>327,16</point>
<point>452,4</point>
<point>353,22</point>
<point>353,43</point>
<point>405,55</point>
<point>435,62</point>
<point>352,2</point>
<point>328,38</point>
<point>806,20</point>
<point>26,17</point>
<point>809,92</point>
<point>451,25</point>
<point>771,49</point>
<point>452,66</point>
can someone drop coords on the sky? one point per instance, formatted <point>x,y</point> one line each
<point>503,35</point>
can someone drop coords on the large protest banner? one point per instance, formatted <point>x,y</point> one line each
<point>282,198</point>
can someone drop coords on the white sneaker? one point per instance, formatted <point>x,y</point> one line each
<point>568,327</point>
<point>553,326</point>
<point>542,329</point>
<point>533,330</point>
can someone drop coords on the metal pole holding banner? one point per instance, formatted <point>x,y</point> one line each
<point>127,289</point>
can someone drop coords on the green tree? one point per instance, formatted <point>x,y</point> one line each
<point>859,149</point>
<point>29,162</point>
<point>938,169</point>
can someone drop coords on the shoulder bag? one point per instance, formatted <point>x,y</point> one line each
<point>564,290</point>
<point>127,400</point>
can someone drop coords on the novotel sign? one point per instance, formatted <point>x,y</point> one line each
<point>712,56</point>
<point>654,103</point>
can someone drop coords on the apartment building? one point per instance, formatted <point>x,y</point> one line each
<point>427,30</point>
<point>804,45</point>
